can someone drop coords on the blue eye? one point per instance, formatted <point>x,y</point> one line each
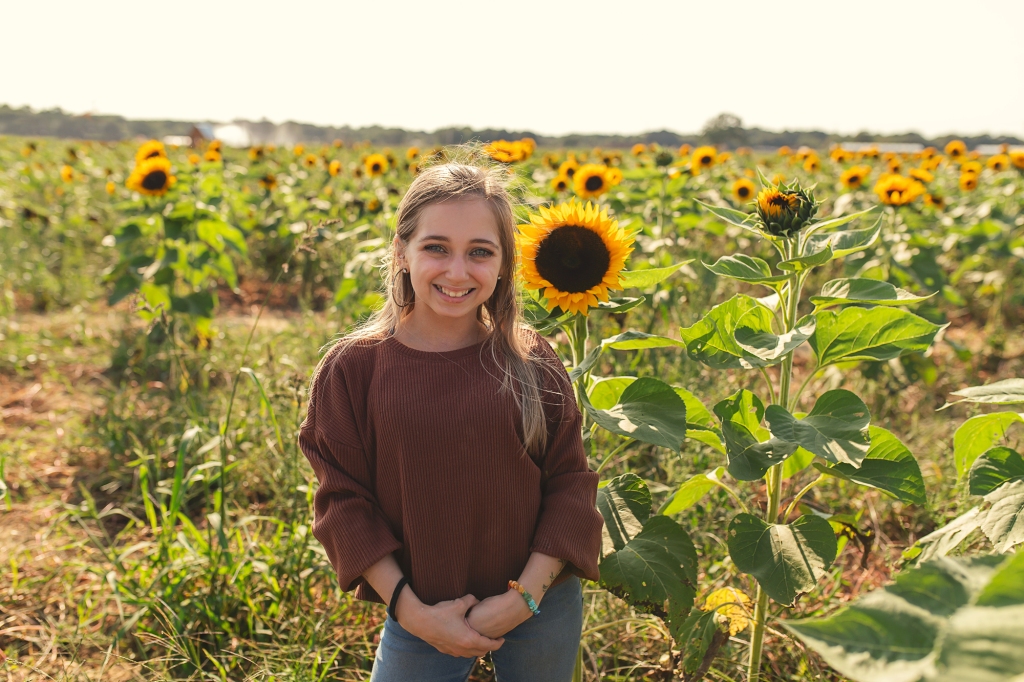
<point>436,248</point>
<point>481,252</point>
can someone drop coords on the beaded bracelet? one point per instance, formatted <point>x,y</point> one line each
<point>513,585</point>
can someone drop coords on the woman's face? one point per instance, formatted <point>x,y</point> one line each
<point>453,258</point>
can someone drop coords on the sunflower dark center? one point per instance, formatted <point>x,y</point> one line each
<point>594,183</point>
<point>573,259</point>
<point>376,168</point>
<point>854,179</point>
<point>152,154</point>
<point>744,192</point>
<point>705,160</point>
<point>155,180</point>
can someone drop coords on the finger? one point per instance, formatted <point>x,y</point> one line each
<point>469,599</point>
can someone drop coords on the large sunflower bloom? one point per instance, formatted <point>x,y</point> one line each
<point>152,177</point>
<point>968,181</point>
<point>614,176</point>
<point>638,149</point>
<point>334,167</point>
<point>591,181</point>
<point>897,190</point>
<point>703,157</point>
<point>970,167</point>
<point>376,164</point>
<point>568,167</point>
<point>573,253</point>
<point>212,155</point>
<point>309,160</point>
<point>999,162</point>
<point>150,150</point>
<point>921,175</point>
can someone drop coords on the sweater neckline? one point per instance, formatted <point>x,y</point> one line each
<point>432,355</point>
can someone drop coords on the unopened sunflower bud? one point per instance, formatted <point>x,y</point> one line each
<point>783,211</point>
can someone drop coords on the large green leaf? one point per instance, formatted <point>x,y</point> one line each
<point>978,434</point>
<point>627,340</point>
<point>648,278</point>
<point>711,341</point>
<point>691,491</point>
<point>648,410</point>
<point>658,564</point>
<point>833,223</point>
<point>606,391</point>
<point>845,242</point>
<point>888,466</point>
<point>910,631</point>
<point>766,345</point>
<point>869,334</point>
<point>941,541</point>
<point>1003,522</point>
<point>750,447</point>
<point>625,504</point>
<point>700,425</point>
<point>733,217</point>
<point>863,291</point>
<point>746,269</point>
<point>785,559</point>
<point>1005,392</point>
<point>813,259</point>
<point>836,428</point>
<point>994,468</point>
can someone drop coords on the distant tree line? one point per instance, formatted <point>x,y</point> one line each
<point>725,131</point>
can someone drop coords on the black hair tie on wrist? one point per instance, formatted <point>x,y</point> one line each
<point>394,598</point>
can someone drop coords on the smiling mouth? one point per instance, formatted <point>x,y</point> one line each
<point>454,293</point>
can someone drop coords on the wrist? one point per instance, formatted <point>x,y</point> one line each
<point>408,608</point>
<point>517,602</point>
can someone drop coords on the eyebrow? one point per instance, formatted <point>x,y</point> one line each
<point>439,238</point>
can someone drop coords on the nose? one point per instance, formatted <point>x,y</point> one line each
<point>457,270</point>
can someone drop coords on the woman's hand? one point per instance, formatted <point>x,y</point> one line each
<point>444,625</point>
<point>496,615</point>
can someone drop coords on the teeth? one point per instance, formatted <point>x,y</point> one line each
<point>454,294</point>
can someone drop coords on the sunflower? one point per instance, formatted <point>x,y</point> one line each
<point>412,153</point>
<point>703,157</point>
<point>921,175</point>
<point>334,167</point>
<point>929,152</point>
<point>152,177</point>
<point>268,181</point>
<point>955,149</point>
<point>840,155</point>
<point>812,164</point>
<point>614,176</point>
<point>932,162</point>
<point>561,183</point>
<point>338,143</point>
<point>299,150</point>
<point>684,150</point>
<point>111,187</point>
<point>723,157</point>
<point>968,181</point>
<point>854,177</point>
<point>573,253</point>
<point>784,150</point>
<point>591,181</point>
<point>373,205</point>
<point>897,190</point>
<point>212,155</point>
<point>551,161</point>
<point>568,167</point>
<point>638,149</point>
<point>67,173</point>
<point>742,190</point>
<point>309,160</point>
<point>934,200</point>
<point>215,145</point>
<point>504,151</point>
<point>972,167</point>
<point>1017,159</point>
<point>376,164</point>
<point>893,166</point>
<point>870,153</point>
<point>150,150</point>
<point>529,144</point>
<point>194,159</point>
<point>255,153</point>
<point>998,163</point>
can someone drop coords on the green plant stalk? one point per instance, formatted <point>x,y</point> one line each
<point>773,479</point>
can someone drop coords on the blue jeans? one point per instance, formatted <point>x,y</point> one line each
<point>541,649</point>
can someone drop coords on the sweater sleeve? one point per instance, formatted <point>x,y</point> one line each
<point>347,521</point>
<point>570,525</point>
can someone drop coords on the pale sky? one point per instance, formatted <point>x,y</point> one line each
<point>551,67</point>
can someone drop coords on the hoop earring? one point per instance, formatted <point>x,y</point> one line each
<point>395,288</point>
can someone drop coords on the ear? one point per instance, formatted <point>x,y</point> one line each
<point>399,248</point>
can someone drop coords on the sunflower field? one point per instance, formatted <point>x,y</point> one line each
<point>800,371</point>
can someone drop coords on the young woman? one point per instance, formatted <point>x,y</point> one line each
<point>446,439</point>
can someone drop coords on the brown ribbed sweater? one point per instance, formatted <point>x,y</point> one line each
<point>419,453</point>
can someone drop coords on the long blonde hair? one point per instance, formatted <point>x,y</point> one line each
<point>508,342</point>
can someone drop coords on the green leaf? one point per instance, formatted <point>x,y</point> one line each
<point>647,278</point>
<point>625,504</point>
<point>698,632</point>
<point>649,410</point>
<point>732,216</point>
<point>692,490</point>
<point>766,345</point>
<point>620,305</point>
<point>978,434</point>
<point>888,466</point>
<point>125,285</point>
<point>1006,588</point>
<point>711,341</point>
<point>812,260</point>
<point>606,391</point>
<point>845,242</point>
<point>750,447</point>
<point>633,340</point>
<point>869,334</point>
<point>1005,392</point>
<point>219,235</point>
<point>836,428</point>
<point>863,291</point>
<point>895,634</point>
<point>658,564</point>
<point>746,269</point>
<point>1003,522</point>
<point>842,220</point>
<point>995,467</point>
<point>785,559</point>
<point>700,425</point>
<point>942,540</point>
